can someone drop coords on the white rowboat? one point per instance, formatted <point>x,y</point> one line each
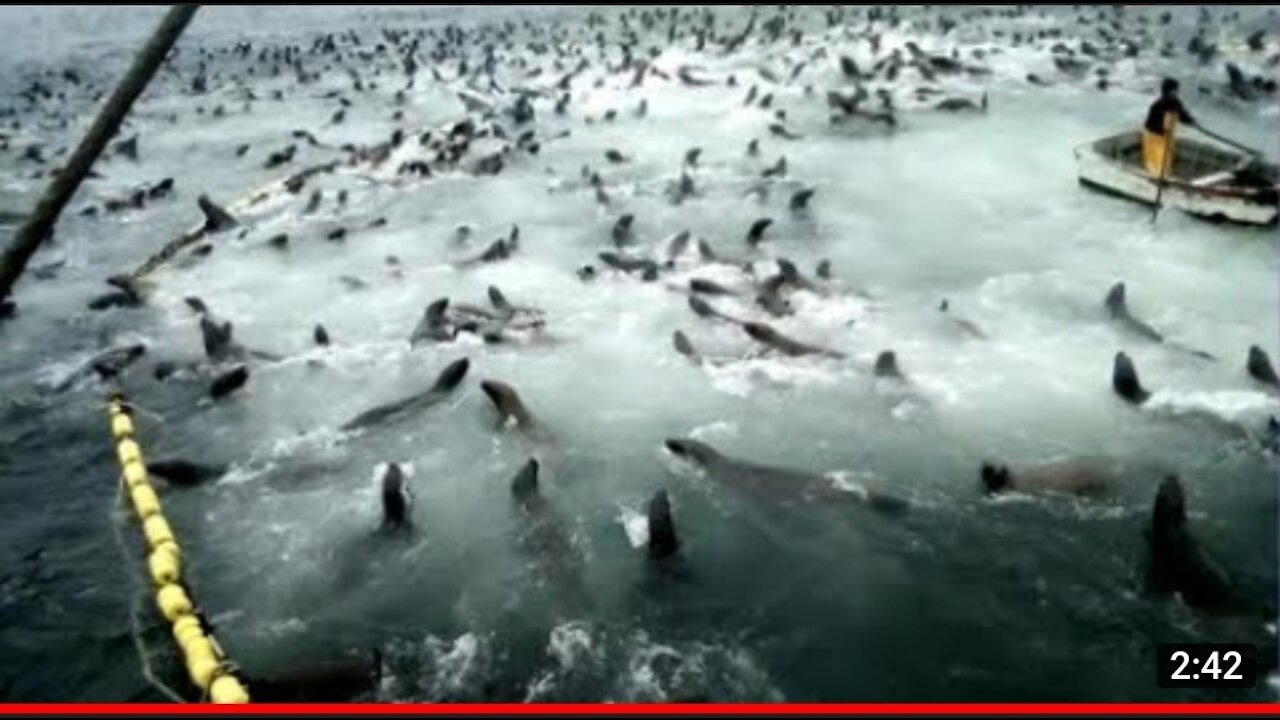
<point>1205,181</point>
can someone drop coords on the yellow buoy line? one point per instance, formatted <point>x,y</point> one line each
<point>206,664</point>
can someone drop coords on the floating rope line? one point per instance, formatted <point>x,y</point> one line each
<point>205,661</point>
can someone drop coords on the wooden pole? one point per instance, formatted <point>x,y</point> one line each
<point>1164,171</point>
<point>39,225</point>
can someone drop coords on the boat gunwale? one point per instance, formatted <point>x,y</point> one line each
<point>1252,195</point>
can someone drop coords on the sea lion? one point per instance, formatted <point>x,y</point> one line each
<point>511,409</point>
<point>800,199</point>
<point>1125,382</point>
<point>763,333</point>
<point>886,366</point>
<point>321,336</point>
<point>396,499</point>
<point>681,343</point>
<point>769,296</point>
<point>498,250</point>
<point>1119,310</point>
<point>703,309</point>
<point>646,267</point>
<point>445,383</point>
<point>1177,561</point>
<point>708,287</point>
<point>336,681</point>
<point>663,542</point>
<point>1118,307</point>
<point>111,363</point>
<point>434,325</point>
<point>183,473</point>
<point>794,277</point>
<point>621,232</point>
<point>216,219</point>
<point>217,337</point>
<point>675,247</point>
<point>756,233</point>
<point>229,382</point>
<point>773,483</point>
<point>965,326</point>
<point>1063,477</point>
<point>543,534</point>
<point>1260,368</point>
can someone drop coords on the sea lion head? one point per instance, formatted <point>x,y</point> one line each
<point>995,478</point>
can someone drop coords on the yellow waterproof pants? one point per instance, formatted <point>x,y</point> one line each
<point>1154,148</point>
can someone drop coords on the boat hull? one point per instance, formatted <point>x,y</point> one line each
<point>1243,206</point>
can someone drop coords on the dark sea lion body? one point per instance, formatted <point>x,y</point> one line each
<point>1178,562</point>
<point>338,681</point>
<point>773,483</point>
<point>765,334</point>
<point>395,499</point>
<point>446,382</point>
<point>183,473</point>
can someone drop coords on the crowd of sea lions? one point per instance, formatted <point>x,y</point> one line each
<point>509,79</point>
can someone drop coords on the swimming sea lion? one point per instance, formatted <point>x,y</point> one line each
<point>215,218</point>
<point>1065,477</point>
<point>337,681</point>
<point>229,382</point>
<point>887,366</point>
<point>434,325</point>
<point>756,233</point>
<point>445,383</point>
<point>1118,307</point>
<point>396,499</point>
<point>773,483</point>
<point>762,333</point>
<point>1125,382</point>
<point>1260,368</point>
<point>1178,562</point>
<point>663,542</point>
<point>183,473</point>
<point>507,402</point>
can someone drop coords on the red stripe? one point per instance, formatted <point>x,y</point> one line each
<point>657,709</point>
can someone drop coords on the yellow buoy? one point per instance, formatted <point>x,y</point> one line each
<point>173,602</point>
<point>145,501</point>
<point>202,663</point>
<point>157,531</point>
<point>128,451</point>
<point>165,564</point>
<point>186,629</point>
<point>121,426</point>
<point>227,690</point>
<point>135,474</point>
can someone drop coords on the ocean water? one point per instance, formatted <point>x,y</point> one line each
<point>964,598</point>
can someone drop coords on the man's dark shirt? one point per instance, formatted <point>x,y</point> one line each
<point>1155,118</point>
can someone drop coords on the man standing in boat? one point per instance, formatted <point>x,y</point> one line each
<point>1157,134</point>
